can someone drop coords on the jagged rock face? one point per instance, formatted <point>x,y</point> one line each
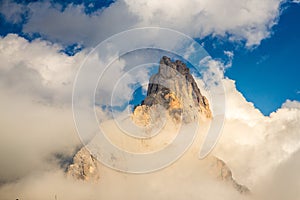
<point>85,166</point>
<point>222,172</point>
<point>176,90</point>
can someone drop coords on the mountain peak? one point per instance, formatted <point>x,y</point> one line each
<point>174,88</point>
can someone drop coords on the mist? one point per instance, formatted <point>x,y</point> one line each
<point>260,150</point>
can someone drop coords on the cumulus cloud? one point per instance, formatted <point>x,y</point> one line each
<point>291,104</point>
<point>36,83</point>
<point>249,21</point>
<point>12,11</point>
<point>285,182</point>
<point>73,25</point>
<point>252,143</point>
<point>38,68</point>
<point>246,20</point>
<point>33,135</point>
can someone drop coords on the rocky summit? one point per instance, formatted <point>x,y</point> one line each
<point>85,167</point>
<point>175,89</point>
<point>174,77</point>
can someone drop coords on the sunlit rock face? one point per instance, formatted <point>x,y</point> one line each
<point>176,90</point>
<point>173,92</point>
<point>84,167</point>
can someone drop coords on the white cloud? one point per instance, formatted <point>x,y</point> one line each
<point>250,21</point>
<point>291,104</point>
<point>230,56</point>
<point>74,26</point>
<point>36,86</point>
<point>12,12</point>
<point>259,142</point>
<point>38,68</point>
<point>285,183</point>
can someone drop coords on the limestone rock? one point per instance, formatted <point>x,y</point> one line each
<point>85,167</point>
<point>176,90</point>
<point>222,172</point>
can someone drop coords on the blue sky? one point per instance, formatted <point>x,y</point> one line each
<point>266,74</point>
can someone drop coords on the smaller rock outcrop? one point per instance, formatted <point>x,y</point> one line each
<point>85,167</point>
<point>222,172</point>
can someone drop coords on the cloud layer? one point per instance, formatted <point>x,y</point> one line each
<point>37,131</point>
<point>239,20</point>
